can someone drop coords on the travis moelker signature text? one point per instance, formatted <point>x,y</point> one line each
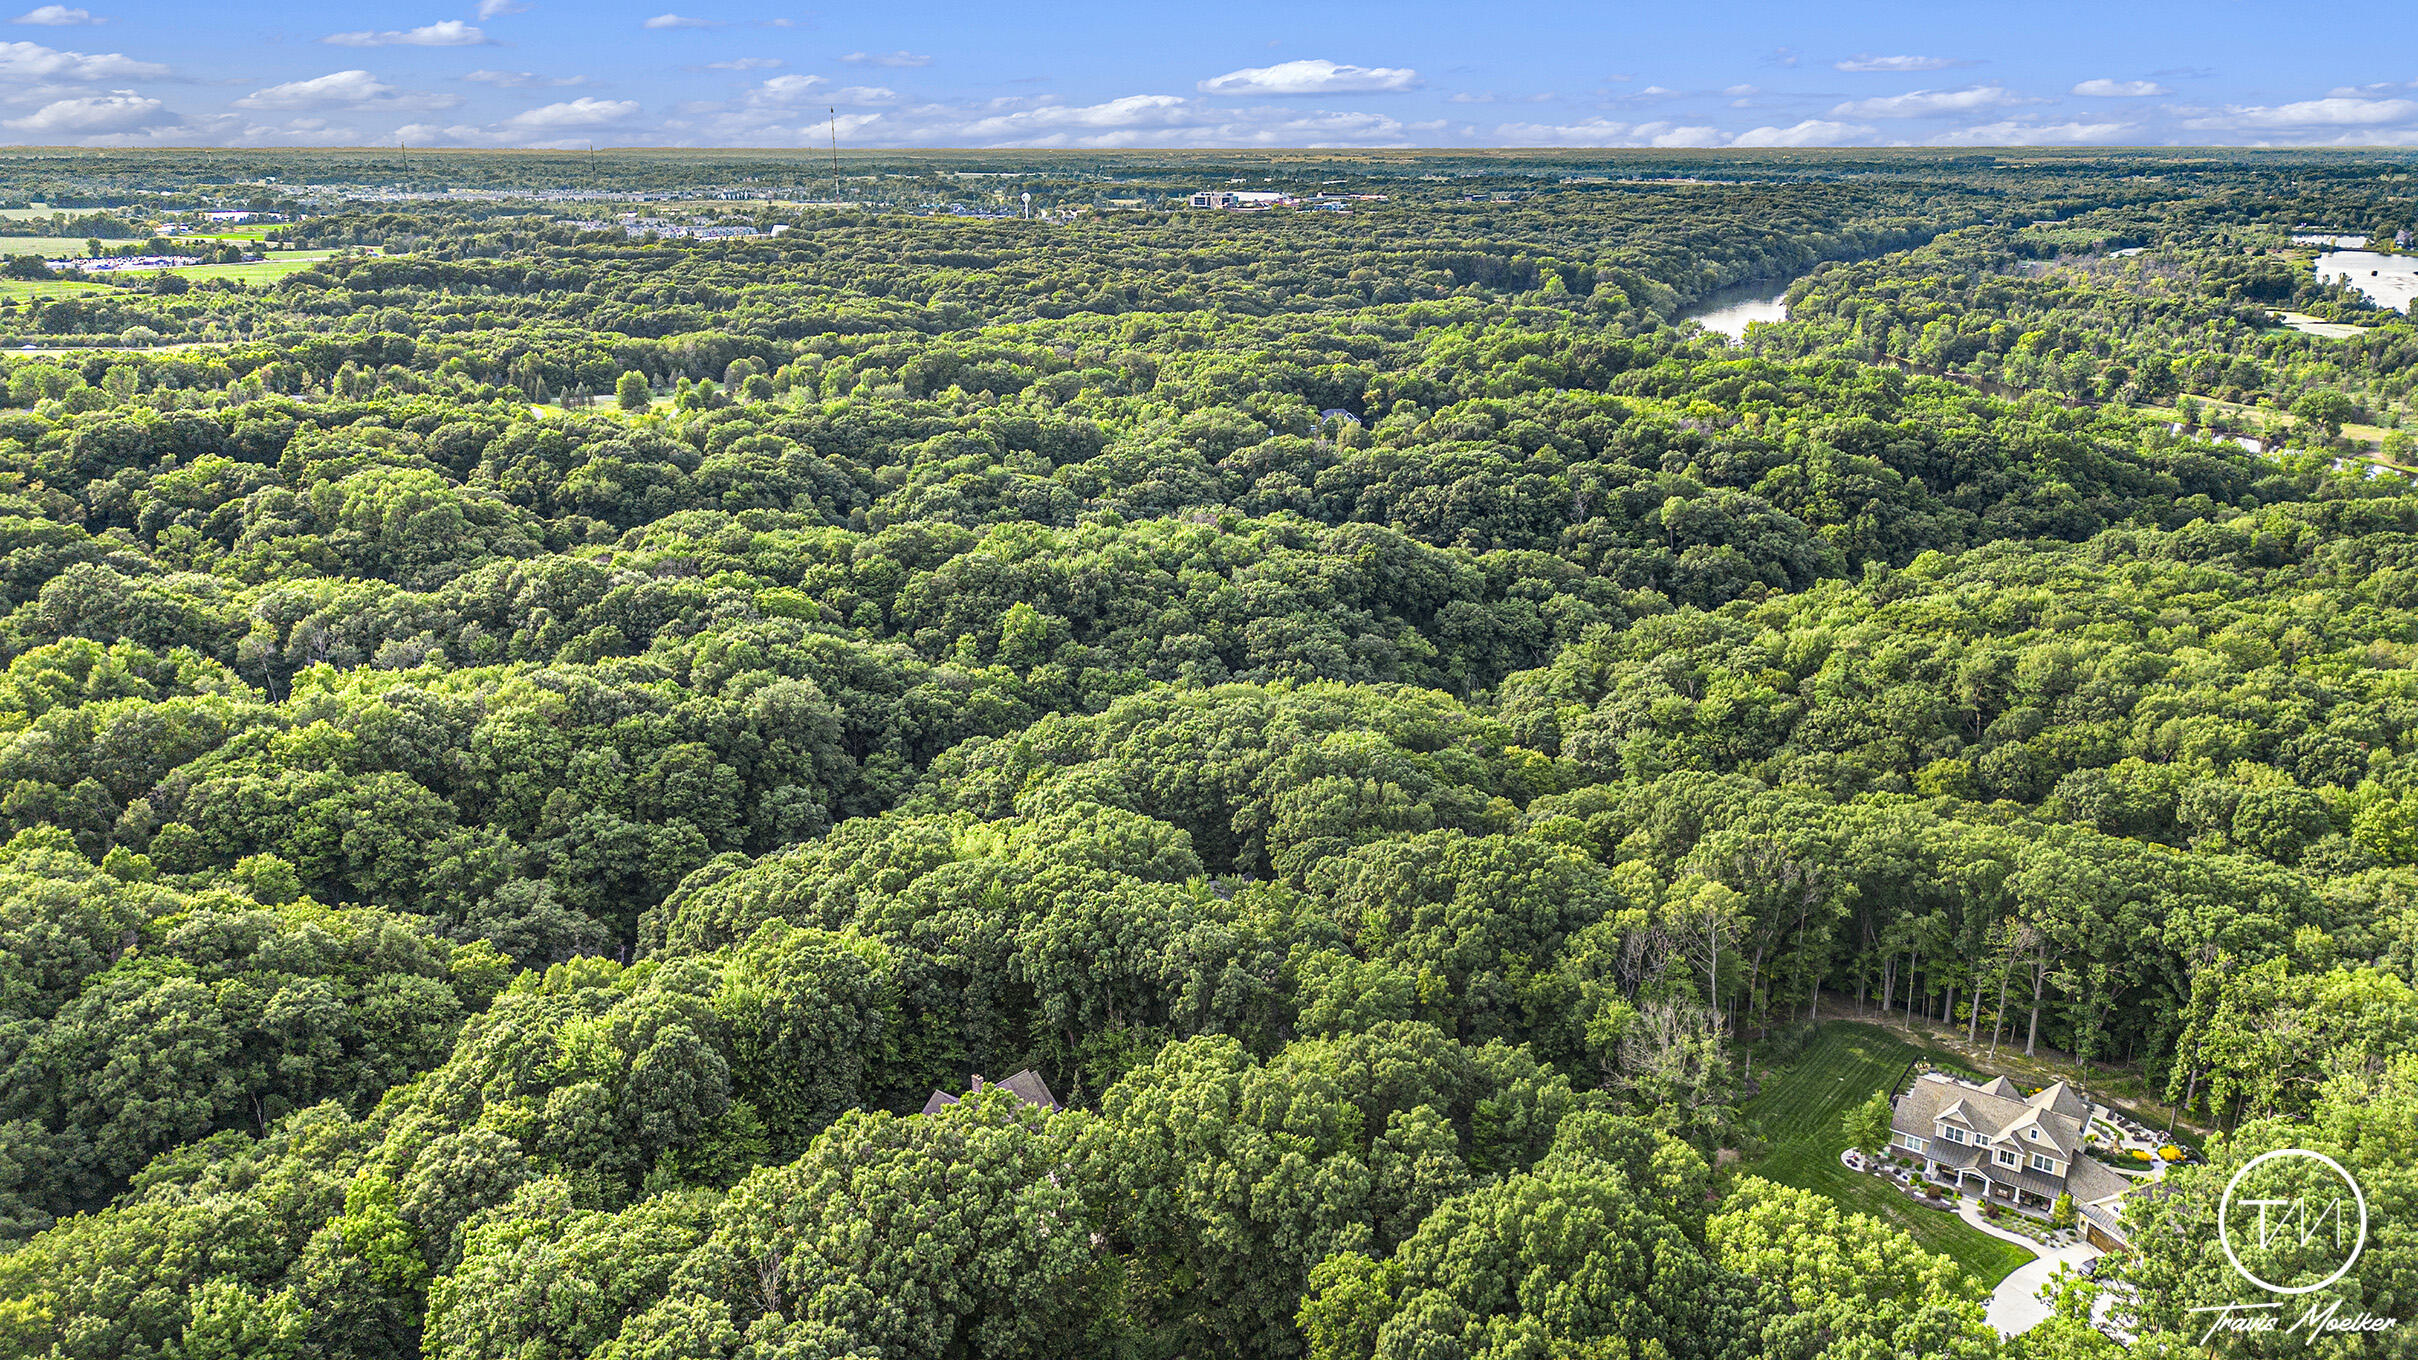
<point>2317,1320</point>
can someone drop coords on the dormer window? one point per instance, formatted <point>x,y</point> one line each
<point>2040,1163</point>
<point>2006,1158</point>
<point>1949,1133</point>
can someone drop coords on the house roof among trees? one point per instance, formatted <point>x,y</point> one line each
<point>1027,1086</point>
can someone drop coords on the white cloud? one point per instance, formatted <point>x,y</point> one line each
<point>2010,133</point>
<point>444,33</point>
<point>489,9</point>
<point>576,113</point>
<point>1933,103</point>
<point>2121,89</point>
<point>339,89</point>
<point>523,80</point>
<point>788,92</point>
<point>2336,111</point>
<point>55,16</point>
<point>1607,132</point>
<point>24,61</point>
<point>746,64</point>
<point>901,57</point>
<point>1811,132</point>
<point>681,21</point>
<point>1310,77</point>
<point>90,115</point>
<point>1865,61</point>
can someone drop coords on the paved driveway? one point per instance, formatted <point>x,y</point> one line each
<point>2015,1305</point>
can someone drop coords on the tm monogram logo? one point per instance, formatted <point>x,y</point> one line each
<point>2323,1222</point>
<point>2301,1220</point>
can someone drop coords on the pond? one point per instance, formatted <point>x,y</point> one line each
<point>1729,311</point>
<point>2386,280</point>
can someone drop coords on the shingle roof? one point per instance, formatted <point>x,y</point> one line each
<point>1027,1086</point>
<point>2091,1183</point>
<point>1032,1088</point>
<point>2064,1100</point>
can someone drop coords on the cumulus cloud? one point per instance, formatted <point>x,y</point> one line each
<point>1310,77</point>
<point>1608,132</point>
<point>1865,61</point>
<point>2334,111</point>
<point>2121,89</point>
<point>901,57</point>
<point>55,16</point>
<point>1141,120</point>
<point>681,21</point>
<point>572,114</point>
<point>793,91</point>
<point>2010,133</point>
<point>444,33</point>
<point>339,89</point>
<point>91,115</point>
<point>28,62</point>
<point>1933,103</point>
<point>1811,132</point>
<point>523,80</point>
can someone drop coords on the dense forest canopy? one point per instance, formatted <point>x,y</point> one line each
<point>530,746</point>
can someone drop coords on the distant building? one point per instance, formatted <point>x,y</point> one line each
<point>1338,413</point>
<point>1027,1086</point>
<point>1991,1141</point>
<point>239,215</point>
<point>1240,198</point>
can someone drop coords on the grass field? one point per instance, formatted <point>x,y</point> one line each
<point>53,245</point>
<point>1801,1108</point>
<point>270,270</point>
<point>13,289</point>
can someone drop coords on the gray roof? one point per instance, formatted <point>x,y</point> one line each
<point>1026,1085</point>
<point>2065,1100</point>
<point>1994,1113</point>
<point>2091,1183</point>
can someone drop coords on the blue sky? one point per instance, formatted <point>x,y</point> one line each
<point>725,73</point>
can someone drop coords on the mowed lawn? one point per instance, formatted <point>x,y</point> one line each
<point>1801,1109</point>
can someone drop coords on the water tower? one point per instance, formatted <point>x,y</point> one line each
<point>1028,203</point>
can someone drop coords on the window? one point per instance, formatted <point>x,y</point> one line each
<point>1951,1133</point>
<point>2007,1158</point>
<point>2040,1163</point>
<point>1913,1142</point>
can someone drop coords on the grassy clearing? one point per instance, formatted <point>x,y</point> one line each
<point>12,290</point>
<point>1801,1109</point>
<point>55,245</point>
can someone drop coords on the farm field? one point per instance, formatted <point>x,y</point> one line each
<point>1801,1108</point>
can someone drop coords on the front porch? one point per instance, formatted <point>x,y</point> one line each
<point>1978,1184</point>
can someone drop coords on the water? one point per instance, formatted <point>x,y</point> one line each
<point>2386,280</point>
<point>1729,311</point>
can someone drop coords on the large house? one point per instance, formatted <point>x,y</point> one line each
<point>1991,1141</point>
